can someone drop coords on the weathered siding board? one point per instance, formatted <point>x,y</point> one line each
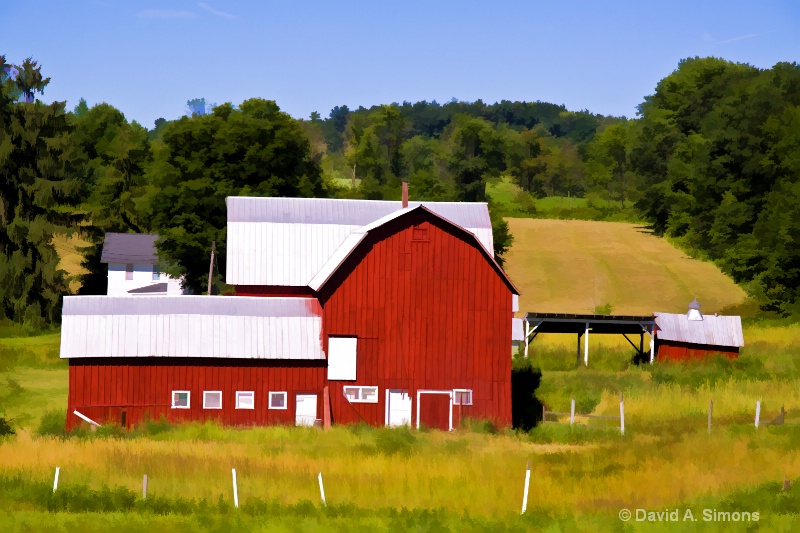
<point>684,351</point>
<point>151,383</point>
<point>449,328</point>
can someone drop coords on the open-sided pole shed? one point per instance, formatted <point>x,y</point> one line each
<point>581,325</point>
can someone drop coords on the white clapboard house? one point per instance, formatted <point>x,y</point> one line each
<point>133,270</point>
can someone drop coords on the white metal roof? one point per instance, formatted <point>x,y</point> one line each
<point>355,238</point>
<point>288,241</point>
<point>191,326</point>
<point>712,330</point>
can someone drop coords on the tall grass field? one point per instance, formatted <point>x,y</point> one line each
<point>735,477</point>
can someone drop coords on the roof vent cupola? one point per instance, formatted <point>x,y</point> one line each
<point>694,311</point>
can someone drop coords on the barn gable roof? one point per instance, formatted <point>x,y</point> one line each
<point>287,241</point>
<point>357,236</point>
<point>129,248</point>
<point>711,331</point>
<point>192,326</point>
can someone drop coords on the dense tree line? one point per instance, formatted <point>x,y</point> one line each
<point>712,161</point>
<point>716,156</point>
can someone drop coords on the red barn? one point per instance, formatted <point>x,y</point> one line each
<point>400,313</point>
<point>695,336</point>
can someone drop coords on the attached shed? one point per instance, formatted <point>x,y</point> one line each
<point>237,360</point>
<point>681,337</point>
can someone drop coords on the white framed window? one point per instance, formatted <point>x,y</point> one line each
<point>361,394</point>
<point>245,399</point>
<point>277,400</point>
<point>129,272</point>
<point>156,274</point>
<point>180,399</point>
<point>342,358</point>
<point>212,399</point>
<point>462,396</point>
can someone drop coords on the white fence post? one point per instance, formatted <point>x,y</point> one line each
<point>321,489</point>
<point>144,487</point>
<point>55,480</point>
<point>235,489</point>
<point>572,412</point>
<point>621,415</point>
<point>527,483</point>
<point>758,412</point>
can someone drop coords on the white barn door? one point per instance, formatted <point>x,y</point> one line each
<point>398,408</point>
<point>305,412</point>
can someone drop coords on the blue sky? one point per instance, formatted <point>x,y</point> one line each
<point>147,58</point>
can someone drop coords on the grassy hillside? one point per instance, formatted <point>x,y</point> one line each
<point>70,257</point>
<point>572,266</point>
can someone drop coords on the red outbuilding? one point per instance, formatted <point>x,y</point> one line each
<point>683,337</point>
<point>346,311</point>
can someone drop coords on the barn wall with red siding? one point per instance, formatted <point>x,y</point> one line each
<point>430,313</point>
<point>685,351</point>
<point>144,388</point>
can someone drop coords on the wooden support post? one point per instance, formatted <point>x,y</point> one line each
<point>758,412</point>
<point>211,265</point>
<point>586,346</point>
<point>144,487</point>
<point>641,346</point>
<point>322,490</point>
<point>235,489</point>
<point>572,412</point>
<point>527,484</point>
<point>527,332</point>
<point>326,408</point>
<point>578,353</point>
<point>621,415</point>
<point>55,479</point>
<point>710,411</point>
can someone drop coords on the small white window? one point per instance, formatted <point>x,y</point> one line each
<point>212,399</point>
<point>277,400</point>
<point>180,399</point>
<point>342,358</point>
<point>361,394</point>
<point>462,397</point>
<point>245,399</point>
<point>156,273</point>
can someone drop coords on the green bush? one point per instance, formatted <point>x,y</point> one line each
<point>712,370</point>
<point>478,425</point>
<point>394,441</point>
<point>53,423</point>
<point>5,428</point>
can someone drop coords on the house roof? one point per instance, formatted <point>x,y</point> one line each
<point>135,248</point>
<point>712,330</point>
<point>192,326</point>
<point>354,239</point>
<point>287,241</point>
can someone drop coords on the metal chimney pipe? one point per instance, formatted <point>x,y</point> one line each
<point>405,194</point>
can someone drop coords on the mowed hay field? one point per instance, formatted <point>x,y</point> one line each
<point>70,258</point>
<point>572,266</point>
